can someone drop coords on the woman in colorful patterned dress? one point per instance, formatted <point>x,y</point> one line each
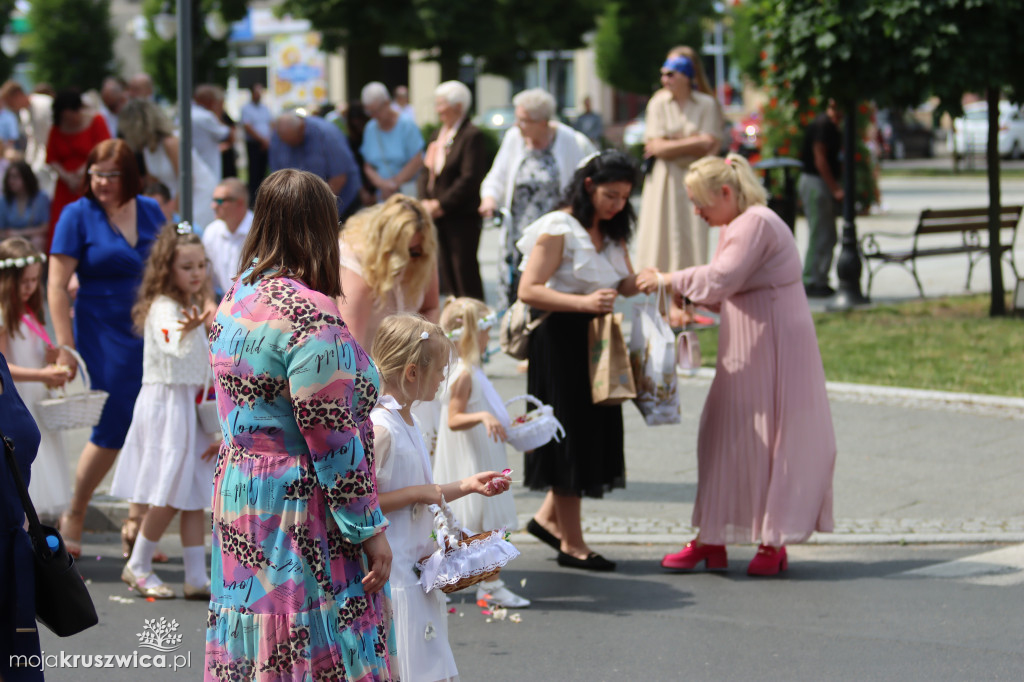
<point>300,561</point>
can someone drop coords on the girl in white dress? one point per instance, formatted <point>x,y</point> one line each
<point>412,355</point>
<point>167,461</point>
<point>471,436</point>
<point>30,354</point>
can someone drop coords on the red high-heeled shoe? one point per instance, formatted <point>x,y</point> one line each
<point>713,556</point>
<point>768,561</point>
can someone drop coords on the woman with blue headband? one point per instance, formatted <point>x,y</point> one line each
<point>683,124</point>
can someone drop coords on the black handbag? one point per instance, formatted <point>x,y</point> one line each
<point>63,603</point>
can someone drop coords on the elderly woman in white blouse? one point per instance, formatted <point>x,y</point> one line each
<point>532,170</point>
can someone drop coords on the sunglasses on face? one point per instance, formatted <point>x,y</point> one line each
<point>112,175</point>
<point>220,200</point>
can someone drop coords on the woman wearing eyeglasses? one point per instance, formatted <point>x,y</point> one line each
<point>104,238</point>
<point>75,131</point>
<point>683,124</point>
<point>388,265</point>
<point>149,132</point>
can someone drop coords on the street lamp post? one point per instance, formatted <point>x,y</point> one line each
<point>185,108</point>
<point>848,267</point>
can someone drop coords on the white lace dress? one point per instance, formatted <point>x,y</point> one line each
<point>421,623</point>
<point>50,485</point>
<point>464,453</point>
<point>160,462</point>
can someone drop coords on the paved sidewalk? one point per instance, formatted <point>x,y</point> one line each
<point>913,466</point>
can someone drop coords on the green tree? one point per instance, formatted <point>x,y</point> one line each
<point>6,63</point>
<point>633,37</point>
<point>159,57</point>
<point>848,50</point>
<point>72,42</point>
<point>500,33</point>
<point>897,52</point>
<point>971,53</point>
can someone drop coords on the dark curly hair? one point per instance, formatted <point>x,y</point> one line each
<point>608,166</point>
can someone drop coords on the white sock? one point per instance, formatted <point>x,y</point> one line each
<point>141,560</point>
<point>195,565</point>
<point>491,585</point>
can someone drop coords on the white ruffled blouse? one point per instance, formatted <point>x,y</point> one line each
<point>168,357</point>
<point>583,269</point>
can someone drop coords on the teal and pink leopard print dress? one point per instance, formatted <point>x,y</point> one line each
<point>294,493</point>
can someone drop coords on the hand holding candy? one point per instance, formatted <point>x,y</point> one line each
<point>495,483</point>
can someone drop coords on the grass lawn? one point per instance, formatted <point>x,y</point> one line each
<point>947,344</point>
<point>978,171</point>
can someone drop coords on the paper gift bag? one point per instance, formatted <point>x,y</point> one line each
<point>652,353</point>
<point>611,377</point>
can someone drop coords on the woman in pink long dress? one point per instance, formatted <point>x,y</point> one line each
<point>766,448</point>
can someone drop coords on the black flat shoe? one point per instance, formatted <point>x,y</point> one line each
<point>538,531</point>
<point>593,562</point>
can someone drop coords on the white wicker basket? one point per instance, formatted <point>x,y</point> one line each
<point>75,411</point>
<point>461,560</point>
<point>209,418</point>
<point>538,427</point>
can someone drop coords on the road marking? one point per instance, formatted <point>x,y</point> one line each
<point>999,567</point>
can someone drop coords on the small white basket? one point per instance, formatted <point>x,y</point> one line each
<point>461,560</point>
<point>75,411</point>
<point>538,427</point>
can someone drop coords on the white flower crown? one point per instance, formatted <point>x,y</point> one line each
<point>22,262</point>
<point>483,324</point>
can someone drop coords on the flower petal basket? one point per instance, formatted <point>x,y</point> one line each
<point>75,411</point>
<point>462,560</point>
<point>535,428</point>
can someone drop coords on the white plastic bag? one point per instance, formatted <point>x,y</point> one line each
<point>652,352</point>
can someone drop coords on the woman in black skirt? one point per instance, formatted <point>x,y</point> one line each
<point>576,264</point>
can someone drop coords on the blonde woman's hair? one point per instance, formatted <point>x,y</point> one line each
<point>143,125</point>
<point>380,237</point>
<point>465,313</point>
<point>408,339</point>
<point>708,175</point>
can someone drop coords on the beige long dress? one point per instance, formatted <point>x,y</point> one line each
<point>670,237</point>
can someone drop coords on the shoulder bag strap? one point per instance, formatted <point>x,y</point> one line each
<point>34,528</point>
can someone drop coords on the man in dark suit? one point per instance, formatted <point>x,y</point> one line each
<point>449,188</point>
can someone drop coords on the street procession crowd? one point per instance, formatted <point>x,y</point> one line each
<point>311,368</point>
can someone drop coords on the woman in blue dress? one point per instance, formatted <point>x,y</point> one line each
<point>104,238</point>
<point>18,636</point>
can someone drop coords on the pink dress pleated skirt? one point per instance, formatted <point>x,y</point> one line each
<point>766,447</point>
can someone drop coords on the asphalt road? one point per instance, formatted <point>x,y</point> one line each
<point>842,613</point>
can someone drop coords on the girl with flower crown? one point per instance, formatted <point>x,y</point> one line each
<point>31,357</point>
<point>471,436</point>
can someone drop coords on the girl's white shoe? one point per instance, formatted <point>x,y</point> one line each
<point>496,593</point>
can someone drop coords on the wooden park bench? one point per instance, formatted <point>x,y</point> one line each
<point>970,223</point>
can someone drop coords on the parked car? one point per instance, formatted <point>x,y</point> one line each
<point>903,136</point>
<point>746,136</point>
<point>498,119</point>
<point>633,133</point>
<point>970,132</point>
